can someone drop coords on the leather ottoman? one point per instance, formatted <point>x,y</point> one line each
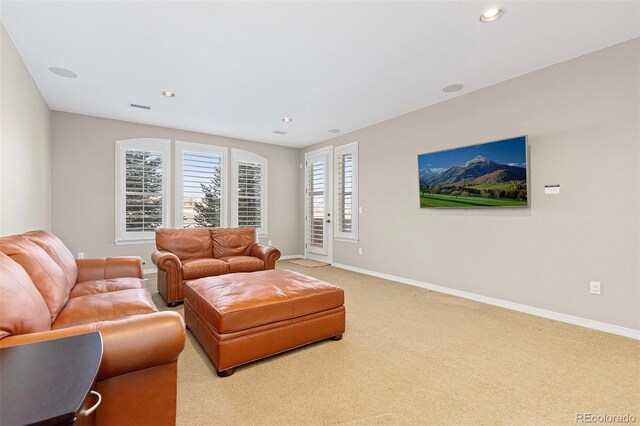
<point>243,317</point>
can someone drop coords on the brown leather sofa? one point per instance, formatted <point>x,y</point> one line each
<point>46,294</point>
<point>192,253</point>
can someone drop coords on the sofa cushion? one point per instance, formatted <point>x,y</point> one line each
<point>243,263</point>
<point>47,276</point>
<point>106,286</point>
<point>60,254</point>
<point>198,268</point>
<point>189,243</point>
<point>233,241</point>
<point>22,308</point>
<point>104,307</point>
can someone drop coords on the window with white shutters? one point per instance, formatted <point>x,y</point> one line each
<point>249,190</point>
<point>346,181</point>
<point>200,185</point>
<point>142,202</point>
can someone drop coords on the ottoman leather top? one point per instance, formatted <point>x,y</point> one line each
<point>236,302</point>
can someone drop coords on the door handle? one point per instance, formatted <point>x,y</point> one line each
<point>328,221</point>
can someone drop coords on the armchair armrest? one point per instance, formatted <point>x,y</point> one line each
<point>129,344</point>
<point>110,267</point>
<point>165,260</point>
<point>268,255</point>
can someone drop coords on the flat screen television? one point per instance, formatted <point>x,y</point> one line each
<point>492,174</point>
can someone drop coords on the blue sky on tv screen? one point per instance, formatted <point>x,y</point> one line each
<point>509,151</point>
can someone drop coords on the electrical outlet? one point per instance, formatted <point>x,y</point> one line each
<point>80,255</point>
<point>269,243</point>
<point>594,287</point>
<point>360,210</point>
<point>360,251</point>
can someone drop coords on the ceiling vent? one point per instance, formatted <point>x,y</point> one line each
<point>140,106</point>
<point>280,132</point>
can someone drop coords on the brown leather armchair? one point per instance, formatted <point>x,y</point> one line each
<point>46,294</point>
<point>192,253</point>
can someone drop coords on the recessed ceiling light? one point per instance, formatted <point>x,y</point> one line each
<point>167,94</point>
<point>287,119</point>
<point>333,130</point>
<point>491,15</point>
<point>453,88</point>
<point>63,72</point>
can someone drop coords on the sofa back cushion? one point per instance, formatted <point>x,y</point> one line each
<point>22,308</point>
<point>189,243</point>
<point>46,275</point>
<point>60,254</point>
<point>233,241</point>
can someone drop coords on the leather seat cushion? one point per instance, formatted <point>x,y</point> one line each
<point>104,307</point>
<point>106,286</point>
<point>243,263</point>
<point>198,268</point>
<point>236,302</point>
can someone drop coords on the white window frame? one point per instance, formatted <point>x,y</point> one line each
<point>182,147</point>
<point>140,144</point>
<point>237,156</point>
<point>351,148</point>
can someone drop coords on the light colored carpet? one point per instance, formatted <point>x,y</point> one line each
<point>413,356</point>
<point>308,263</point>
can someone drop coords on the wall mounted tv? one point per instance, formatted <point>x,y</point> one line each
<point>491,174</point>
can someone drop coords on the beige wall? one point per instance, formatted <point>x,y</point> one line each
<point>25,146</point>
<point>83,183</point>
<point>582,118</point>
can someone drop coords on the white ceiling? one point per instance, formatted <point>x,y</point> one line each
<point>237,68</point>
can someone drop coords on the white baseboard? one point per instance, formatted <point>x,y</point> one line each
<point>150,271</point>
<point>292,256</point>
<point>556,316</point>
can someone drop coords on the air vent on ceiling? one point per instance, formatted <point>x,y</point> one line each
<point>280,132</point>
<point>140,106</point>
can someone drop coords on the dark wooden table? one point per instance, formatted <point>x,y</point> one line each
<point>47,382</point>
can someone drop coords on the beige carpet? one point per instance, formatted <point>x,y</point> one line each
<point>412,356</point>
<point>308,263</point>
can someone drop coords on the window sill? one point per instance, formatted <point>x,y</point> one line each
<point>346,240</point>
<point>133,242</point>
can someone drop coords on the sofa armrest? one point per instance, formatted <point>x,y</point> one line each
<point>268,255</point>
<point>165,260</point>
<point>129,344</point>
<point>110,267</point>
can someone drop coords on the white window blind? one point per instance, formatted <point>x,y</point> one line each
<point>141,191</point>
<point>346,192</point>
<point>200,185</point>
<point>249,197</point>
<point>316,204</point>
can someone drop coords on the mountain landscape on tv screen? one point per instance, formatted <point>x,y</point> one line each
<point>476,182</point>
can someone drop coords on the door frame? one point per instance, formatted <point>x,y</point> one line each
<point>328,196</point>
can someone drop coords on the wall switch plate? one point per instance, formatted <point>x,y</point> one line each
<point>269,243</point>
<point>360,210</point>
<point>594,287</point>
<point>360,251</point>
<point>80,255</point>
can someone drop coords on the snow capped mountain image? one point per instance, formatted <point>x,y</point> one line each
<point>487,175</point>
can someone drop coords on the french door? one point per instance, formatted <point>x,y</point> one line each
<point>318,204</point>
